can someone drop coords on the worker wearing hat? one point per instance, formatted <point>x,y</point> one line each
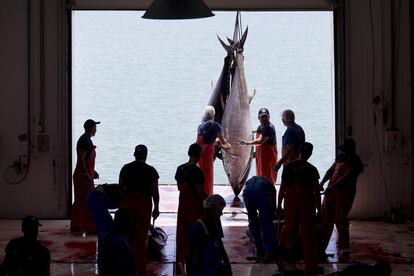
<point>26,255</point>
<point>83,179</point>
<point>266,147</point>
<point>300,191</point>
<point>206,252</point>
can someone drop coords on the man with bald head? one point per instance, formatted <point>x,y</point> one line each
<point>292,139</point>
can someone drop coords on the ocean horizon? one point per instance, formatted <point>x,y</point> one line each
<point>147,81</point>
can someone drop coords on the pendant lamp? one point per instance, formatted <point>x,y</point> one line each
<point>177,9</point>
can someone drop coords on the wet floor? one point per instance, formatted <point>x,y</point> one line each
<point>75,254</point>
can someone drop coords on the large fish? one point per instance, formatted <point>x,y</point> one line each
<point>232,104</point>
<point>221,91</point>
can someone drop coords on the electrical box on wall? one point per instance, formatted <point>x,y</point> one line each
<point>43,142</point>
<point>392,140</point>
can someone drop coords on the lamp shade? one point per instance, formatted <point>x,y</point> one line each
<point>177,9</point>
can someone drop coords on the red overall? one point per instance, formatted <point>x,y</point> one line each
<point>266,158</point>
<point>206,164</point>
<point>140,208</point>
<point>80,215</point>
<point>299,216</point>
<point>336,207</point>
<point>190,209</point>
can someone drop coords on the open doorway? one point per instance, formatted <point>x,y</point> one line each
<point>147,81</point>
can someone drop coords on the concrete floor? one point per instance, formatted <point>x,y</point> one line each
<point>75,254</point>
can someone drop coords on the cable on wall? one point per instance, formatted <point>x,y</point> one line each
<point>42,108</point>
<point>375,101</point>
<point>19,166</point>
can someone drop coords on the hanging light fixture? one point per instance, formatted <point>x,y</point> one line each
<point>177,9</point>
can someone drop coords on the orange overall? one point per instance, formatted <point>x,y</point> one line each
<point>206,164</point>
<point>140,208</point>
<point>300,214</point>
<point>266,158</point>
<point>80,215</point>
<point>336,207</point>
<point>190,209</point>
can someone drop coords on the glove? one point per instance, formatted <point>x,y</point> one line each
<point>276,167</point>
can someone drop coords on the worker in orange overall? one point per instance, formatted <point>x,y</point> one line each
<point>340,194</point>
<point>190,182</point>
<point>83,179</point>
<point>266,147</point>
<point>139,187</point>
<point>300,191</point>
<point>209,133</point>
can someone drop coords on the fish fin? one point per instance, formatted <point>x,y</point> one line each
<point>226,47</point>
<point>243,39</point>
<point>231,41</point>
<point>252,96</point>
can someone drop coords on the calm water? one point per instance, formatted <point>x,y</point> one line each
<point>147,81</point>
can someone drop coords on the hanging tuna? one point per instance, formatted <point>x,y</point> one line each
<point>232,104</point>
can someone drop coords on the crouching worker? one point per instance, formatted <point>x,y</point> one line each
<point>259,195</point>
<point>206,253</point>
<point>99,200</point>
<point>300,189</point>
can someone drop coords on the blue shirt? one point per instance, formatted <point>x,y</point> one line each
<point>259,183</point>
<point>115,256</point>
<point>208,253</point>
<point>268,130</point>
<point>209,131</point>
<point>294,135</point>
